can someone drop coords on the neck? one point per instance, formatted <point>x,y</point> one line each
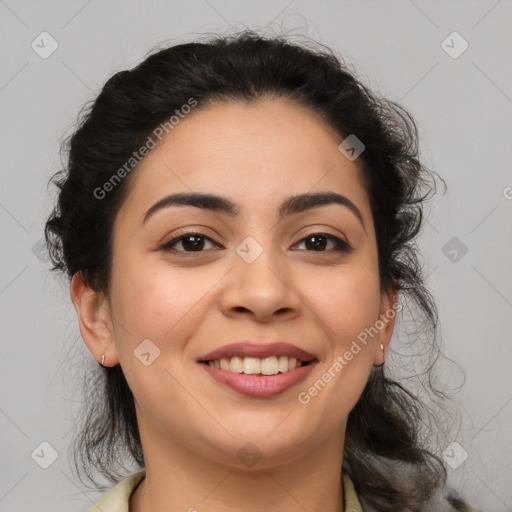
<point>178,478</point>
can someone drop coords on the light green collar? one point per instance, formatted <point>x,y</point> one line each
<point>117,499</point>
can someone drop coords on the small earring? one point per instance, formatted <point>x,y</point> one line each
<point>102,360</point>
<point>382,348</point>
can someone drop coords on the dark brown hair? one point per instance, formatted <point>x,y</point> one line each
<point>390,426</point>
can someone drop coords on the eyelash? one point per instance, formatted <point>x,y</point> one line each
<point>341,245</point>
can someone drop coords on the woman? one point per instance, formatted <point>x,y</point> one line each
<point>238,219</point>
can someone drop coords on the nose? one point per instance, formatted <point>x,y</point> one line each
<point>263,290</point>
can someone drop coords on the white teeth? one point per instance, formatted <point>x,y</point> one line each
<point>252,365</point>
<point>236,365</point>
<point>269,366</point>
<point>283,364</point>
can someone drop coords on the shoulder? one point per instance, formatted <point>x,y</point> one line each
<point>117,499</point>
<point>449,498</point>
<point>351,502</point>
<point>407,476</point>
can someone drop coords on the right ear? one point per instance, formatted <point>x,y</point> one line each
<point>94,320</point>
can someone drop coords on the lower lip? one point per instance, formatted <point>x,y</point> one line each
<point>254,385</point>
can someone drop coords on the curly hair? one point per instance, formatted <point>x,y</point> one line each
<point>387,452</point>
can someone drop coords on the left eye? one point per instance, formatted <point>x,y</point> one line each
<point>318,241</point>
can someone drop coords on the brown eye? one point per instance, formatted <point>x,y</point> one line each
<point>190,242</point>
<point>317,242</point>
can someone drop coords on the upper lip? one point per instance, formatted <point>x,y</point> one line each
<point>258,350</point>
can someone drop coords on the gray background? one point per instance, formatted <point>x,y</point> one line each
<point>463,107</point>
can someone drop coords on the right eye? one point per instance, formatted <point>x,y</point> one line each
<point>193,241</point>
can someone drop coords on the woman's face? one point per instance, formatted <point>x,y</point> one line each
<point>250,276</point>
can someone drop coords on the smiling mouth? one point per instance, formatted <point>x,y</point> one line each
<point>268,366</point>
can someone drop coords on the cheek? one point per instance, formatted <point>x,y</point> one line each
<point>347,308</point>
<point>346,301</point>
<point>156,303</point>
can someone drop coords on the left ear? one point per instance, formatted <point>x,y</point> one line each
<point>385,325</point>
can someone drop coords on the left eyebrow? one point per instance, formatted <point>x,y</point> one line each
<point>291,205</point>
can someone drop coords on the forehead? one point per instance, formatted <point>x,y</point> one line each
<point>251,152</point>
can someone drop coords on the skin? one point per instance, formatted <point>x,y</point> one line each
<point>189,303</point>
